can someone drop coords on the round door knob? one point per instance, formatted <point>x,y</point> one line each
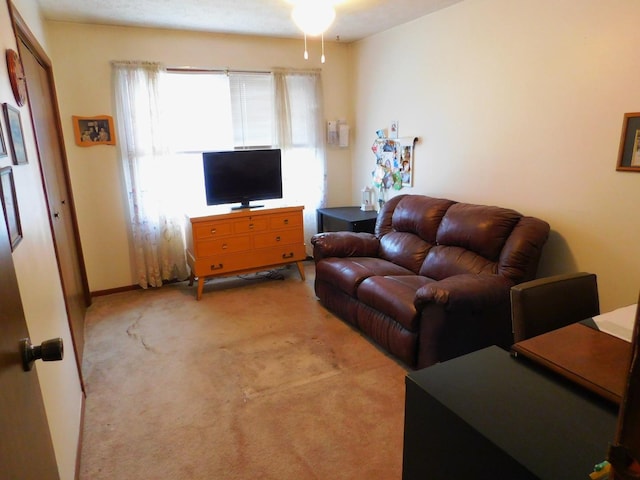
<point>48,351</point>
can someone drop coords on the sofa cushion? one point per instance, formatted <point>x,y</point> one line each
<point>347,273</point>
<point>479,228</point>
<point>405,249</point>
<point>444,261</point>
<point>407,228</point>
<point>469,240</point>
<point>515,259</point>
<point>393,296</point>
<point>415,214</point>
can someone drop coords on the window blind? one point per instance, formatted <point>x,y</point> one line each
<point>252,109</point>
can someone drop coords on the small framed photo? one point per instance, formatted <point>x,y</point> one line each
<point>16,136</point>
<point>406,164</point>
<point>10,206</point>
<point>629,152</point>
<point>91,131</point>
<point>393,129</point>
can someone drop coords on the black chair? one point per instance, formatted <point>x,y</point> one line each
<point>549,303</point>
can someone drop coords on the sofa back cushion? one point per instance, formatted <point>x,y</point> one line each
<point>470,239</point>
<point>438,238</point>
<point>407,227</point>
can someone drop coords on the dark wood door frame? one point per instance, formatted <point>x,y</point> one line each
<point>23,34</point>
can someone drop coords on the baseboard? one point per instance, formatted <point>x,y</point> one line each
<point>128,288</point>
<point>99,293</point>
<point>80,438</point>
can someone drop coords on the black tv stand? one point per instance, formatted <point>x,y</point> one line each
<point>246,205</point>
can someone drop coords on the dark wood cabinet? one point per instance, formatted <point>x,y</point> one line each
<point>350,219</point>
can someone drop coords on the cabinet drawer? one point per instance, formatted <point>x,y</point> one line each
<point>254,260</point>
<point>212,230</point>
<point>206,248</point>
<point>250,224</point>
<point>282,254</point>
<point>281,237</point>
<point>248,261</point>
<point>221,265</point>
<point>285,220</point>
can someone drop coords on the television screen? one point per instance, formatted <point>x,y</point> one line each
<point>242,176</point>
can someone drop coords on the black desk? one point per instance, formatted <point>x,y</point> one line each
<point>488,415</point>
<point>351,219</point>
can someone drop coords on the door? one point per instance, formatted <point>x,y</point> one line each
<point>42,102</point>
<point>26,451</point>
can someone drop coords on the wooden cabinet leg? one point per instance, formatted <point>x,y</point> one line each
<point>301,270</point>
<point>200,288</point>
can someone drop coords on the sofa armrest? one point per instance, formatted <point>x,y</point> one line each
<point>344,244</point>
<point>469,291</point>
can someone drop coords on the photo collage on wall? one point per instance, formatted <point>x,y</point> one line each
<point>394,162</point>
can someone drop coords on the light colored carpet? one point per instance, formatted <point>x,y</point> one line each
<point>254,381</point>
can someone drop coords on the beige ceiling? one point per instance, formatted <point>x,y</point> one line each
<point>355,19</point>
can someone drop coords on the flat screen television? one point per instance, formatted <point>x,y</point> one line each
<point>242,176</point>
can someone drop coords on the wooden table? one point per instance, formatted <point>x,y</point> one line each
<point>594,359</point>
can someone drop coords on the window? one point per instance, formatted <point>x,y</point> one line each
<point>212,111</point>
<point>240,110</point>
<point>198,109</point>
<point>252,109</point>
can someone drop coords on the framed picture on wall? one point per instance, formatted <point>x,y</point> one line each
<point>10,206</point>
<point>629,152</point>
<point>3,146</point>
<point>91,131</point>
<point>15,135</point>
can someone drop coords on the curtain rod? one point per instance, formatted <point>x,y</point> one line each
<point>187,69</point>
<point>229,70</point>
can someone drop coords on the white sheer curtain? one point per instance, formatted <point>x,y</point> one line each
<point>300,135</point>
<point>156,223</point>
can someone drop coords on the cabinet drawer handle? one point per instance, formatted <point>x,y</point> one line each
<point>278,238</point>
<point>251,226</point>
<point>286,221</point>
<point>287,255</point>
<point>217,267</point>
<point>213,231</point>
<point>225,246</point>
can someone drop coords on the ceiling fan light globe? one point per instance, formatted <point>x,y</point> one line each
<point>313,17</point>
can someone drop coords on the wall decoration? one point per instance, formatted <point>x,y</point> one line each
<point>394,163</point>
<point>10,206</point>
<point>16,77</point>
<point>393,129</point>
<point>629,152</point>
<point>3,146</point>
<point>338,133</point>
<point>16,137</point>
<point>90,131</point>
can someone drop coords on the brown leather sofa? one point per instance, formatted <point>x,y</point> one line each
<point>433,282</point>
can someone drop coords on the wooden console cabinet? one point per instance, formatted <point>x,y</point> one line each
<point>243,241</point>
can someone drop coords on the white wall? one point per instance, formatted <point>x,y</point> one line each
<point>81,55</point>
<point>518,104</point>
<point>39,282</point>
